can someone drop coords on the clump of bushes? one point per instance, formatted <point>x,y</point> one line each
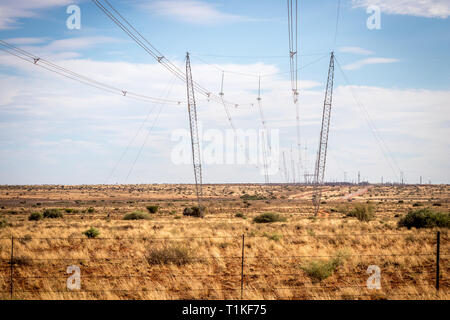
<point>269,217</point>
<point>152,208</point>
<point>136,215</point>
<point>35,216</point>
<point>252,197</point>
<point>92,232</point>
<point>90,210</point>
<point>322,269</point>
<point>68,210</point>
<point>362,212</point>
<point>417,204</point>
<point>52,213</point>
<point>425,218</point>
<point>174,254</point>
<point>194,211</point>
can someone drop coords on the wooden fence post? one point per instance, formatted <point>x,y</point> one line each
<point>11,262</point>
<point>242,267</point>
<point>438,244</point>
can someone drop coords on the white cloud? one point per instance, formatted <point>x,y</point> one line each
<point>418,8</point>
<point>356,50</point>
<point>13,10</point>
<point>361,63</point>
<point>194,11</point>
<point>51,124</point>
<point>26,41</point>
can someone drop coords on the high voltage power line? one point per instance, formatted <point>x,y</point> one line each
<point>52,67</point>
<point>137,37</point>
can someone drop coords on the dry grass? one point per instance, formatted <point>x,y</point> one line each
<point>116,264</point>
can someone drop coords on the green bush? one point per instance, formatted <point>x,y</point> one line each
<point>152,208</point>
<point>52,213</point>
<point>90,210</point>
<point>35,216</point>
<point>174,254</point>
<point>425,218</point>
<point>252,197</point>
<point>274,236</point>
<point>417,204</point>
<point>362,212</point>
<point>240,215</point>
<point>194,211</point>
<point>137,215</point>
<point>92,232</point>
<point>321,269</point>
<point>4,223</point>
<point>68,210</point>
<point>269,218</point>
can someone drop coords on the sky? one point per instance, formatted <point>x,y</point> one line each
<point>389,115</point>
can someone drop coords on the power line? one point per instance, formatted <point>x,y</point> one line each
<point>337,23</point>
<point>52,67</point>
<point>137,37</point>
<point>149,131</point>
<point>379,139</point>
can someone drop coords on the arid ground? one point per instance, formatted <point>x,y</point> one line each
<point>172,256</point>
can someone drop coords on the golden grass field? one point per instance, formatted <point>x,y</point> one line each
<point>115,265</point>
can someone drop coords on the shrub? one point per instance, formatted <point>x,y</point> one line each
<point>4,223</point>
<point>68,210</point>
<point>321,269</point>
<point>417,204</point>
<point>269,218</point>
<point>194,211</point>
<point>274,236</point>
<point>52,213</point>
<point>363,212</point>
<point>252,197</point>
<point>92,232</point>
<point>174,254</point>
<point>437,204</point>
<point>90,210</point>
<point>240,215</point>
<point>136,215</point>
<point>425,218</point>
<point>152,209</point>
<point>35,216</point>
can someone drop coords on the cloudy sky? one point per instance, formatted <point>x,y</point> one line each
<point>390,106</point>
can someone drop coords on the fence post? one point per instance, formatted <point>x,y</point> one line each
<point>11,288</point>
<point>438,244</point>
<point>242,267</point>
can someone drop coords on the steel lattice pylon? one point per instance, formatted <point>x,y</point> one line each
<point>323,142</point>
<point>192,108</point>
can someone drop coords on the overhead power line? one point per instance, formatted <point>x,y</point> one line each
<point>140,40</point>
<point>378,138</point>
<point>52,67</point>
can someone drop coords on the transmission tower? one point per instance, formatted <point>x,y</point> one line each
<point>192,108</point>
<point>323,142</point>
<point>264,137</point>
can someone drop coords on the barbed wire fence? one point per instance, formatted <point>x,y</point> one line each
<point>241,270</point>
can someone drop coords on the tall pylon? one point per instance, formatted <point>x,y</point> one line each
<point>264,137</point>
<point>196,151</point>
<point>323,141</point>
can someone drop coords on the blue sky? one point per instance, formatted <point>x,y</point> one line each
<point>54,130</point>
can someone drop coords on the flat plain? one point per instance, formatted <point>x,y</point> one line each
<point>226,254</point>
